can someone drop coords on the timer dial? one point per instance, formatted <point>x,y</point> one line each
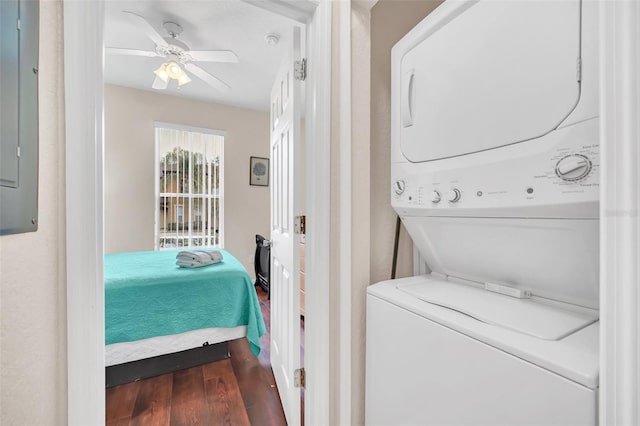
<point>453,195</point>
<point>399,187</point>
<point>573,167</point>
<point>435,197</point>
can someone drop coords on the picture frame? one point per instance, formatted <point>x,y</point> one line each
<point>258,171</point>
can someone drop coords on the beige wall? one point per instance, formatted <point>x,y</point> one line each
<point>130,175</point>
<point>375,28</point>
<point>390,21</point>
<point>361,196</point>
<point>33,345</point>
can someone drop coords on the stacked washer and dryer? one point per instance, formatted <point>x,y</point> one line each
<point>495,175</point>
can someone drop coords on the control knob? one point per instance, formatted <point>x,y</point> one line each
<point>399,187</point>
<point>435,197</point>
<point>453,195</point>
<point>573,167</point>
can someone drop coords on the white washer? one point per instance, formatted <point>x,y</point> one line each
<point>495,164</point>
<point>432,365</point>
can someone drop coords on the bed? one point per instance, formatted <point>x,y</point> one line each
<point>153,307</point>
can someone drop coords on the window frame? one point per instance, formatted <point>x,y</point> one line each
<point>219,196</point>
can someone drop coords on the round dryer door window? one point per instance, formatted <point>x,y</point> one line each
<point>500,72</point>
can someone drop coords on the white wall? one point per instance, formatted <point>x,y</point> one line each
<point>33,345</point>
<point>129,167</point>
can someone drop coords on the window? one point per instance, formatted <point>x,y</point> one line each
<point>189,187</point>
<point>180,213</point>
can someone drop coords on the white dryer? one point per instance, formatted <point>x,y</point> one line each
<point>495,175</point>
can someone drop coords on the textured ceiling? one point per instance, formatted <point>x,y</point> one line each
<point>207,25</point>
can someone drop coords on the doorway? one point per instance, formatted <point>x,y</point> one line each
<point>84,99</point>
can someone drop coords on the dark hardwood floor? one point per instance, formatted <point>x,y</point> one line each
<point>240,390</point>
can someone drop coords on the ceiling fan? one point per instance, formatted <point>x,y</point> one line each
<point>177,54</point>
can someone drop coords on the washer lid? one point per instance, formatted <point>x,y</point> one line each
<point>497,73</point>
<point>528,316</point>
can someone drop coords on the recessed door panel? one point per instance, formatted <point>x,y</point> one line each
<point>285,199</point>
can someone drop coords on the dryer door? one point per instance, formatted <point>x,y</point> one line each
<point>498,73</point>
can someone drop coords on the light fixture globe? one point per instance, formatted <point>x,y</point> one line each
<point>173,70</point>
<point>161,73</point>
<point>183,79</point>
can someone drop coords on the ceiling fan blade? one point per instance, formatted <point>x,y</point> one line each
<point>159,84</point>
<point>214,82</point>
<point>130,52</point>
<point>213,56</point>
<point>146,27</point>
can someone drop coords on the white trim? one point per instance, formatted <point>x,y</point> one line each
<point>172,126</point>
<point>345,391</point>
<point>619,213</point>
<point>317,203</point>
<point>221,195</point>
<point>84,214</point>
<point>299,11</point>
<point>156,191</point>
<point>85,304</point>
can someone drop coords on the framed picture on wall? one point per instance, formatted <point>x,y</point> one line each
<point>259,171</point>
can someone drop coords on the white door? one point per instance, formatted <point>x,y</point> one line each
<point>285,262</point>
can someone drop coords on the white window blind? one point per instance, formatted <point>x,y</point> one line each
<point>189,188</point>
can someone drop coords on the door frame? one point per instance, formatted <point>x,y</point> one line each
<point>84,103</point>
<point>619,213</point>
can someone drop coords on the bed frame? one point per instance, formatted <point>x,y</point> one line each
<point>144,368</point>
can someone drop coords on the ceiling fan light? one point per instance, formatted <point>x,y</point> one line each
<point>162,74</point>
<point>183,79</point>
<point>173,70</point>
<point>158,84</point>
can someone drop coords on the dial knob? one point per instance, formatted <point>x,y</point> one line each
<point>453,195</point>
<point>573,167</point>
<point>435,197</point>
<point>399,187</point>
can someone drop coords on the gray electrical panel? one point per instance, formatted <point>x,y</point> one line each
<point>18,116</point>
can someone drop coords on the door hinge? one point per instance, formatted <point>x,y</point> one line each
<point>18,25</point>
<point>299,224</point>
<point>579,70</point>
<point>300,69</point>
<point>299,378</point>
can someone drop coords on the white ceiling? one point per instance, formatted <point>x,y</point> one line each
<point>207,25</point>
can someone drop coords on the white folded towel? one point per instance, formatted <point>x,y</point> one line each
<point>198,258</point>
<point>185,264</point>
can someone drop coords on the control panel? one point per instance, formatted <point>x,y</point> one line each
<point>573,167</point>
<point>561,169</point>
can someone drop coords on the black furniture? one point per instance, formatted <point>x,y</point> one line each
<point>262,263</point>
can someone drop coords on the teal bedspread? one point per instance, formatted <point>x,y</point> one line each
<point>147,295</point>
